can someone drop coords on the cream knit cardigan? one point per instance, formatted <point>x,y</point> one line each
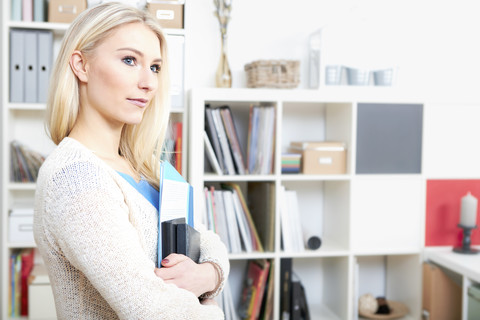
<point>98,237</point>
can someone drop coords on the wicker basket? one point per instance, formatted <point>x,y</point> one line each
<point>273,74</point>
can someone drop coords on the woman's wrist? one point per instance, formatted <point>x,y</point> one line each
<point>212,276</point>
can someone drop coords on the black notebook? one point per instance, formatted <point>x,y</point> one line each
<point>180,237</point>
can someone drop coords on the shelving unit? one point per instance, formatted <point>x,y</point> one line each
<point>25,122</point>
<point>347,211</point>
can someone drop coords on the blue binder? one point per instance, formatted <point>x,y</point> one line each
<point>168,173</point>
<point>31,64</point>
<point>17,64</point>
<point>45,54</point>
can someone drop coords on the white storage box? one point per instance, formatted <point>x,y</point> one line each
<point>20,227</point>
<point>41,303</point>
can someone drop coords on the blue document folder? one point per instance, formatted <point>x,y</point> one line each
<point>175,200</point>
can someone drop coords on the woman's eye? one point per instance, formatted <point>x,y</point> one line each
<point>129,60</point>
<point>155,68</point>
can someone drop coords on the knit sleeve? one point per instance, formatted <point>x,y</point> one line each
<point>88,217</point>
<point>213,250</point>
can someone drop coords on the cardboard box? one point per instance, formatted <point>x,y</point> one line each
<point>321,157</point>
<point>20,229</point>
<point>442,295</point>
<point>65,11</point>
<point>169,13</point>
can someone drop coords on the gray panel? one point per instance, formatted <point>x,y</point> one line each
<point>389,138</point>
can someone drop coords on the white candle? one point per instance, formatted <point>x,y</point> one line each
<point>468,212</point>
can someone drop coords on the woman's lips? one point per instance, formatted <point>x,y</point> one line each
<point>139,102</point>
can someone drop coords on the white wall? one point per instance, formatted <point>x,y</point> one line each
<point>435,44</point>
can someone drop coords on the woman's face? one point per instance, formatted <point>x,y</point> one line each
<point>122,75</point>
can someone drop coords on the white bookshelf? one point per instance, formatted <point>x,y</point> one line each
<point>25,122</point>
<point>344,209</point>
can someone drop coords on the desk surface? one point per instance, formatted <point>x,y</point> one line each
<point>467,265</point>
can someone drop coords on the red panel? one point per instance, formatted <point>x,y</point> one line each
<point>443,211</point>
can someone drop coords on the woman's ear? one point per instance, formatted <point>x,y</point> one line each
<point>78,63</point>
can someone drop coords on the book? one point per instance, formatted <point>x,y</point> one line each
<point>213,136</point>
<point>224,145</point>
<point>175,200</point>
<point>285,283</point>
<point>286,230</point>
<point>179,237</point>
<point>295,220</point>
<point>232,224</point>
<point>210,222</point>
<point>27,256</point>
<point>188,241</point>
<point>261,139</point>
<point>299,306</point>
<point>250,225</point>
<point>266,311</point>
<point>232,135</point>
<point>292,233</point>
<point>212,158</point>
<point>221,229</point>
<point>169,237</point>
<point>178,134</point>
<point>261,199</point>
<point>254,288</point>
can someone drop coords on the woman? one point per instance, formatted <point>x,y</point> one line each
<point>107,112</point>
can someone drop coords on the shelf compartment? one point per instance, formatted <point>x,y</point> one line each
<point>308,121</point>
<point>236,280</point>
<point>326,285</point>
<point>259,197</point>
<point>324,212</point>
<point>241,114</point>
<point>395,277</point>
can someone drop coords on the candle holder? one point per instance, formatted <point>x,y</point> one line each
<point>466,242</point>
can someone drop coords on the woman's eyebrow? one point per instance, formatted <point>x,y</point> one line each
<point>138,52</point>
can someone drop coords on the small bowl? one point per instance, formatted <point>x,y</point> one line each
<point>358,77</point>
<point>333,75</point>
<point>398,310</point>
<point>383,77</point>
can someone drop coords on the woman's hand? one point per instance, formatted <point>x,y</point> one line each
<point>186,274</point>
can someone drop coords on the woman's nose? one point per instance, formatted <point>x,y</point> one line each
<point>147,80</point>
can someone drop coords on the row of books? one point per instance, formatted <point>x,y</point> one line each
<point>293,299</point>
<point>28,10</point>
<point>257,293</point>
<point>256,301</point>
<point>229,216</point>
<point>290,221</point>
<point>225,302</point>
<point>25,163</point>
<point>223,144</point>
<point>20,267</point>
<point>31,57</point>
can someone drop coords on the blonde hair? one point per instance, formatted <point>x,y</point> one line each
<point>140,144</point>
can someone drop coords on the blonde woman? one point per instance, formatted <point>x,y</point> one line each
<point>95,206</point>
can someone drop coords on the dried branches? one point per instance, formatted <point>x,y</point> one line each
<point>222,12</point>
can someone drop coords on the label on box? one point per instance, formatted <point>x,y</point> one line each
<point>325,160</point>
<point>165,14</point>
